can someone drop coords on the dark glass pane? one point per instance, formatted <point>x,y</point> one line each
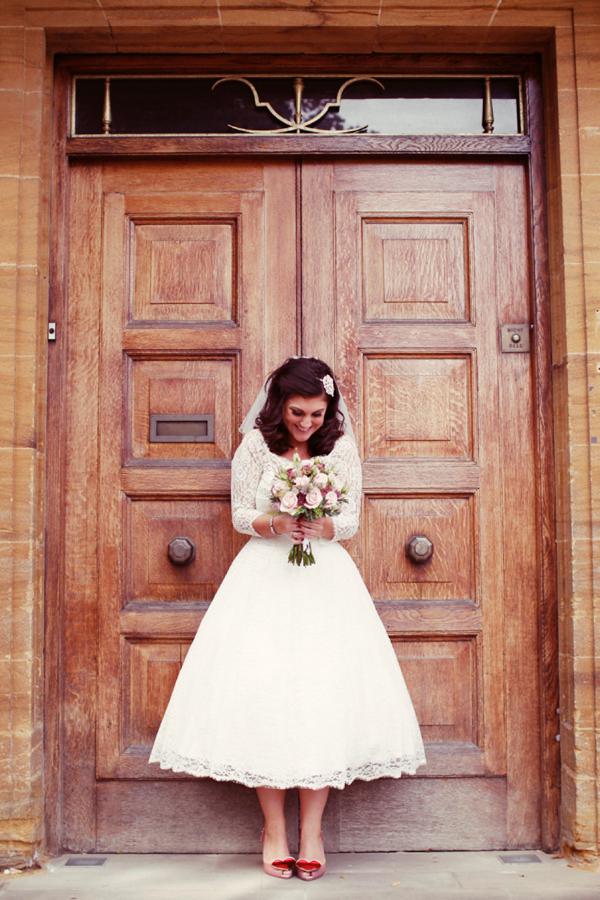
<point>89,106</point>
<point>200,105</point>
<point>183,106</point>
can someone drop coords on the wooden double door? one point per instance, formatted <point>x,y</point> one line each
<point>188,281</point>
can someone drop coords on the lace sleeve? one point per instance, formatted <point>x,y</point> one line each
<point>246,471</point>
<point>347,463</point>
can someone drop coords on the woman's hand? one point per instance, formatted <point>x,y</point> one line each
<point>318,528</point>
<point>288,525</point>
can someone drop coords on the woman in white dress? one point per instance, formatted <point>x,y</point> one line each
<point>291,680</point>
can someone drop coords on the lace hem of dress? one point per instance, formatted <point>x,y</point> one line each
<point>393,768</point>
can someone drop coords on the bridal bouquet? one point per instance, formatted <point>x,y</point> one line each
<point>309,489</point>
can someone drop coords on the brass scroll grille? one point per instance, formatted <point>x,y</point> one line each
<point>299,125</point>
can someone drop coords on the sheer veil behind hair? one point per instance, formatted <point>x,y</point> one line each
<point>249,422</point>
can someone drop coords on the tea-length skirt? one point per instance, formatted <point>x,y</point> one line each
<point>291,680</point>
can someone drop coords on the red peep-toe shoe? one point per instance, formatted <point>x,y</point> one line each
<point>279,868</point>
<point>309,869</point>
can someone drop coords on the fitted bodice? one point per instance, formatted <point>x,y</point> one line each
<point>254,467</point>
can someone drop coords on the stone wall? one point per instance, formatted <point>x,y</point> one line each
<point>22,416</point>
<point>30,31</point>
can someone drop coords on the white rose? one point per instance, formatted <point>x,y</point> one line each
<point>331,499</point>
<point>313,498</point>
<point>302,482</point>
<point>289,502</point>
<point>320,480</point>
<point>279,488</point>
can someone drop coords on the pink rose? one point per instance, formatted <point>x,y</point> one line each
<point>331,498</point>
<point>313,498</point>
<point>289,502</point>
<point>302,482</point>
<point>320,480</point>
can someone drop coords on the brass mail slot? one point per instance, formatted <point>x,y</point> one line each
<point>170,429</point>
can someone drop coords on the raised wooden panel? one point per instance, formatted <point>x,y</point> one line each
<point>415,269</point>
<point>150,525</point>
<point>150,670</point>
<point>183,271</point>
<point>179,387</point>
<point>447,521</point>
<point>435,813</point>
<point>441,679</point>
<point>418,406</point>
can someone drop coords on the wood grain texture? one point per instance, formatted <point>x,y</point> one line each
<point>167,481</point>
<point>150,525</point>
<point>55,458</point>
<point>150,671</point>
<point>448,522</point>
<point>415,63</point>
<point>281,272</point>
<point>181,176</point>
<point>430,617</point>
<point>318,318</point>
<point>182,342</point>
<point>521,513</point>
<point>135,623</point>
<point>415,269</point>
<point>418,407</point>
<point>180,387</point>
<point>295,145</point>
<point>80,610</point>
<point>180,817</point>
<point>544,450</point>
<point>179,265</point>
<point>430,475</point>
<point>453,813</point>
<point>441,679</point>
<point>488,533</point>
<point>111,545</point>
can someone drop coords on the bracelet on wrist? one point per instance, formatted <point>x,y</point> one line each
<point>272,528</point>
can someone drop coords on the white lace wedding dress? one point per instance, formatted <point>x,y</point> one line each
<point>291,680</point>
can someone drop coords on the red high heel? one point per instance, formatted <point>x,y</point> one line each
<point>309,869</point>
<point>279,868</point>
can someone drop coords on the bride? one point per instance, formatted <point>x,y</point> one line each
<point>291,680</point>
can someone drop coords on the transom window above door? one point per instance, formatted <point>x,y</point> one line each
<point>136,105</point>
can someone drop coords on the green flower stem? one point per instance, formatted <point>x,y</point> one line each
<point>300,556</point>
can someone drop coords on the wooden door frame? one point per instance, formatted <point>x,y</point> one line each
<point>528,148</point>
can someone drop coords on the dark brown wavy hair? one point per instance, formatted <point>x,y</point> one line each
<point>302,376</point>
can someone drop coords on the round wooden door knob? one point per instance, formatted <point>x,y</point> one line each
<point>419,548</point>
<point>181,551</point>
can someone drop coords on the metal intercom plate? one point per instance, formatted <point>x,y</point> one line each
<point>515,338</point>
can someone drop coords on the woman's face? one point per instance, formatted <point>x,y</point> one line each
<point>302,416</point>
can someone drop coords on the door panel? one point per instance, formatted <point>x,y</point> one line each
<point>420,255</point>
<point>190,299</point>
<point>183,294</point>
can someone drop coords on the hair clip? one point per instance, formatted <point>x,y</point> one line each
<point>328,385</point>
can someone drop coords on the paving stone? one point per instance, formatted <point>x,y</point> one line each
<point>350,876</point>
